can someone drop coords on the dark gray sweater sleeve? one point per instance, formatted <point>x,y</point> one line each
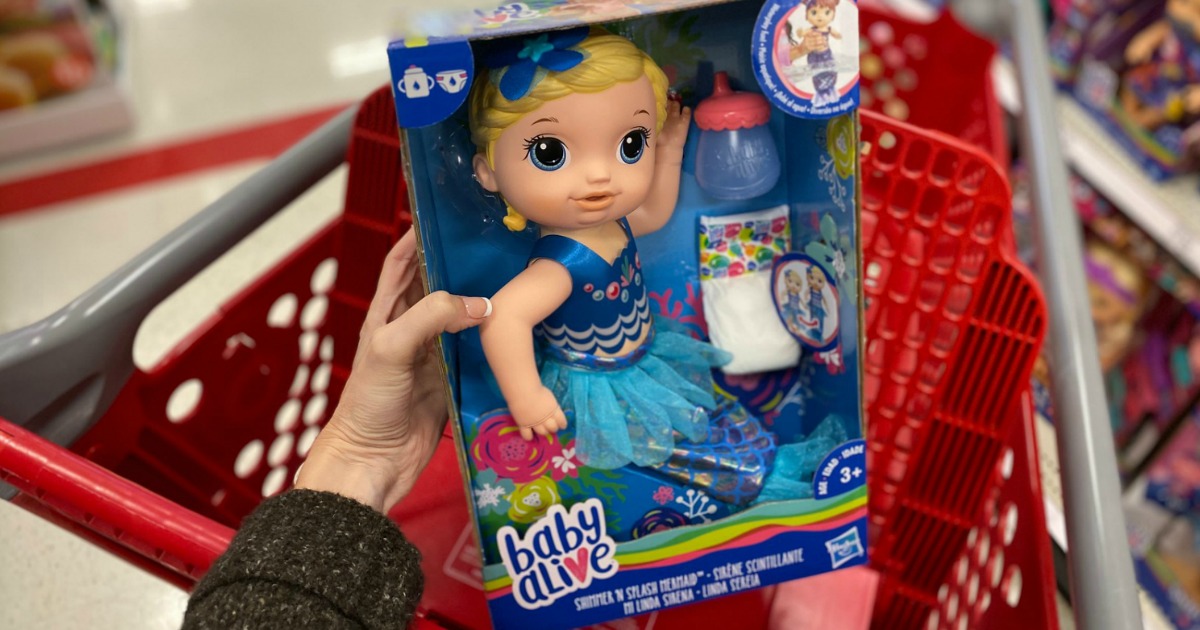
<point>311,559</point>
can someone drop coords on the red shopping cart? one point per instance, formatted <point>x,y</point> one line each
<point>904,78</point>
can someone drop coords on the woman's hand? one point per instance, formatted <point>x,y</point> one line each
<point>393,409</point>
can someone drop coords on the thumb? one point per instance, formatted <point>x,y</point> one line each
<point>404,339</point>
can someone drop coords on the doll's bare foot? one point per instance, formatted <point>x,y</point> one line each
<point>539,414</point>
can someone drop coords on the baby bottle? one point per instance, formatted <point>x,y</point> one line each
<point>735,156</point>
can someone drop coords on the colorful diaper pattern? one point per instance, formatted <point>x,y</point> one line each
<point>733,246</point>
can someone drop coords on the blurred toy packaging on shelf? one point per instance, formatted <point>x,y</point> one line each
<point>1145,305</point>
<point>1136,67</point>
<point>1147,338</point>
<point>1109,224</point>
<point>1162,514</point>
<point>45,51</point>
<point>57,74</point>
<point>631,506</point>
<point>1153,374</point>
<point>1080,26</point>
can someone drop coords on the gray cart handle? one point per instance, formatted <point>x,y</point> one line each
<point>59,375</point>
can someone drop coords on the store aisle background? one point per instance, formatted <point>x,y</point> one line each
<point>192,69</point>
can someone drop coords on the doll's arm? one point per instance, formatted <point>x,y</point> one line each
<point>507,340</point>
<point>664,192</point>
<point>833,32</point>
<point>1142,47</point>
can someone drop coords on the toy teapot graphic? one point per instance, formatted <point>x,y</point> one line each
<point>415,84</point>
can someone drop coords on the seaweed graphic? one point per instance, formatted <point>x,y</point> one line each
<point>830,172</point>
<point>603,484</point>
<point>837,186</point>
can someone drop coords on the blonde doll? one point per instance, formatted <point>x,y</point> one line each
<point>792,309</point>
<point>816,301</point>
<point>575,133</point>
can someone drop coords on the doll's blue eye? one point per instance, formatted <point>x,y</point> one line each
<point>548,154</point>
<point>632,146</point>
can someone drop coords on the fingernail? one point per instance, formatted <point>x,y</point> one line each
<point>479,307</point>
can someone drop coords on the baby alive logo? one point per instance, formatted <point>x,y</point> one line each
<point>844,548</point>
<point>560,554</point>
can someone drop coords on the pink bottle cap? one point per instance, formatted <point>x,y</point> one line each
<point>727,109</point>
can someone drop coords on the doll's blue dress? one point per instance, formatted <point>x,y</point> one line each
<point>626,407</point>
<point>655,405</point>
<point>816,310</point>
<point>792,311</point>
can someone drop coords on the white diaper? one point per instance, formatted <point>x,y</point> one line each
<point>737,253</point>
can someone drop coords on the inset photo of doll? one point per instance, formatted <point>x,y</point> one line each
<point>807,300</point>
<point>816,48</point>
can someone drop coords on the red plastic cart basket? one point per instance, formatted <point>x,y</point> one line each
<point>903,78</point>
<point>953,324</point>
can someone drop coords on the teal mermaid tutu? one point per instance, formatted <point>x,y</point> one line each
<point>631,409</point>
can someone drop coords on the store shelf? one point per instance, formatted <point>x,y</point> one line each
<point>104,106</point>
<point>92,112</point>
<point>1168,211</point>
<point>1152,616</point>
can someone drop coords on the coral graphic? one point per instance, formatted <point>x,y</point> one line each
<point>698,506</point>
<point>688,311</point>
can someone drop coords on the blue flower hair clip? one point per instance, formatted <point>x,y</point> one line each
<point>522,63</point>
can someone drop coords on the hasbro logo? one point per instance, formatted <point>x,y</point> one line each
<point>845,548</point>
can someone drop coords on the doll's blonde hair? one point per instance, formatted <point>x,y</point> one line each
<point>608,60</point>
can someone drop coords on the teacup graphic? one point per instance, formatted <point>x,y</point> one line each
<point>452,81</point>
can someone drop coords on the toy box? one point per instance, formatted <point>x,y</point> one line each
<point>566,544</point>
<point>1081,26</point>
<point>1112,226</point>
<point>1141,80</point>
<point>1162,519</point>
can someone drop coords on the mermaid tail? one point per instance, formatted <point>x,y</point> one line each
<point>796,463</point>
<point>731,463</point>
